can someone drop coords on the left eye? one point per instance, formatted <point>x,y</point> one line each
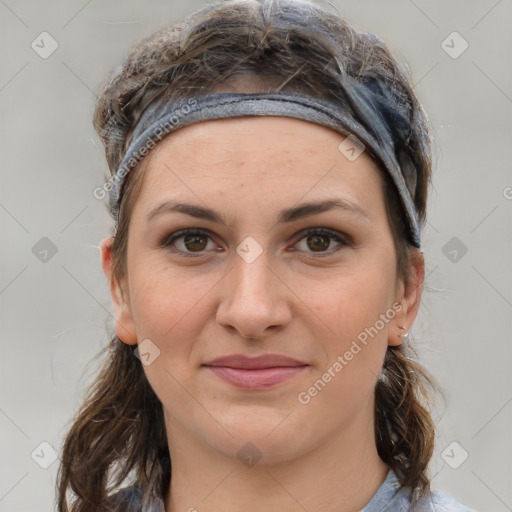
<point>319,240</point>
<point>194,242</point>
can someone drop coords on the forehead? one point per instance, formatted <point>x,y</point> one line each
<point>270,155</point>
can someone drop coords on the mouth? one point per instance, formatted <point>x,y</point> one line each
<point>259,372</point>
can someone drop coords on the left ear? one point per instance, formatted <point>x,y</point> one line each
<point>409,296</point>
<point>124,322</point>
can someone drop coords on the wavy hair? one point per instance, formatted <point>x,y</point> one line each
<point>118,434</point>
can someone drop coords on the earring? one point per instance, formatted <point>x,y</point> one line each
<point>406,334</point>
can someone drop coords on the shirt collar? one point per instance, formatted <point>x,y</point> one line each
<point>385,493</point>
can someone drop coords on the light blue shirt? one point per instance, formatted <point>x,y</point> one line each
<point>388,498</point>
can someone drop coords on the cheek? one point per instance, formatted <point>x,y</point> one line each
<point>173,308</point>
<point>171,311</point>
<point>354,355</point>
<point>357,309</point>
<point>167,307</point>
<point>352,301</point>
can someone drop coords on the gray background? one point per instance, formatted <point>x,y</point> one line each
<point>54,311</point>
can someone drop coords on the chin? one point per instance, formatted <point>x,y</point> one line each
<point>262,433</point>
<point>251,450</point>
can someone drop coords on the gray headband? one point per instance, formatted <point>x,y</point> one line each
<point>385,125</point>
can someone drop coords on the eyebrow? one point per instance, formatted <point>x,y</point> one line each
<point>287,215</point>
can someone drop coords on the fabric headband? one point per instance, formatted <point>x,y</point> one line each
<point>384,126</point>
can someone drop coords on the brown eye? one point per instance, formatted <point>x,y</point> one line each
<point>195,242</point>
<point>188,242</point>
<point>319,240</point>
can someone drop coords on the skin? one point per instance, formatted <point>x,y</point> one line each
<point>315,456</point>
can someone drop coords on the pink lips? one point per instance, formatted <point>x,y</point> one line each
<point>255,372</point>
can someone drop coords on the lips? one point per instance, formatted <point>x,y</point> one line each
<point>255,363</point>
<point>255,372</point>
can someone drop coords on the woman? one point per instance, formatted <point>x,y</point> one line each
<point>270,167</point>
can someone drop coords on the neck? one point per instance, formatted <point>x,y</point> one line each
<point>340,475</point>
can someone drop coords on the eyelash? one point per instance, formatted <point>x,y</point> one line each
<point>168,241</point>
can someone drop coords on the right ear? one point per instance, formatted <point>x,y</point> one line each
<point>125,326</point>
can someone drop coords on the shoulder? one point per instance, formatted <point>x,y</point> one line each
<point>433,501</point>
<point>443,502</point>
<point>392,497</point>
<point>127,500</point>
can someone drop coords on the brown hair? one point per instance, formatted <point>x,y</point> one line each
<point>118,434</point>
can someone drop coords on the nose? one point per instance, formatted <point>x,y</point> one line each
<point>254,299</point>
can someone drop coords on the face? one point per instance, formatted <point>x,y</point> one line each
<point>305,299</point>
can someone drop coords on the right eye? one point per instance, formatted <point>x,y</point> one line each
<point>188,242</point>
